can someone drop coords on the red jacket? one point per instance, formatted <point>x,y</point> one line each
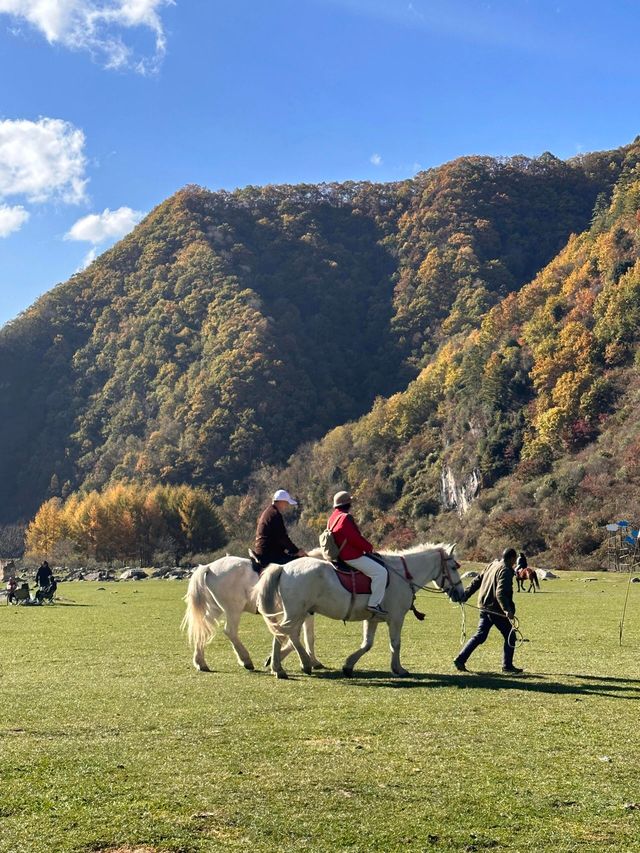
<point>345,530</point>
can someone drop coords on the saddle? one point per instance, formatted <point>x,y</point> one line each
<point>354,581</point>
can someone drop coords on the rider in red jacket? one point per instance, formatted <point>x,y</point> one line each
<point>354,549</point>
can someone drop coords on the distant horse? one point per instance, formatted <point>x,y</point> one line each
<point>309,585</point>
<point>527,574</point>
<point>226,589</point>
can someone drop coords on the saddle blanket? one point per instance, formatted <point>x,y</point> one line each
<point>352,580</point>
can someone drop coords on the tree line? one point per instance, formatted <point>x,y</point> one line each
<point>129,523</point>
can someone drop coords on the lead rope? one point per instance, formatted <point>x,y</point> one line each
<point>463,625</point>
<point>515,638</point>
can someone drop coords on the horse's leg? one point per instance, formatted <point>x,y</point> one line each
<point>395,631</point>
<point>308,634</point>
<point>305,660</point>
<point>276,662</point>
<point>369,632</point>
<point>200,644</point>
<point>231,630</point>
<point>199,660</point>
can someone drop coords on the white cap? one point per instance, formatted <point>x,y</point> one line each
<point>282,495</point>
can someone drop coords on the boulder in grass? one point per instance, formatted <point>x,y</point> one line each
<point>635,580</point>
<point>178,575</point>
<point>469,575</point>
<point>546,575</point>
<point>133,575</point>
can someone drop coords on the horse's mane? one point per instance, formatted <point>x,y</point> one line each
<point>424,546</point>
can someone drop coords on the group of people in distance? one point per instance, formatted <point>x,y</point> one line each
<point>46,586</point>
<point>494,585</point>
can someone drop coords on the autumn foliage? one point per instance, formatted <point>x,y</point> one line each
<point>126,523</point>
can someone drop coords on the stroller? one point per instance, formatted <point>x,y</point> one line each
<point>18,594</point>
<point>45,594</point>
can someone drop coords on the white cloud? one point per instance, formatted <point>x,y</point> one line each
<point>376,159</point>
<point>88,259</point>
<point>42,160</point>
<point>12,219</point>
<point>108,225</point>
<point>96,26</point>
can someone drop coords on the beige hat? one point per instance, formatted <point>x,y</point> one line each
<point>341,498</point>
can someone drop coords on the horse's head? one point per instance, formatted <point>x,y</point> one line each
<point>449,578</point>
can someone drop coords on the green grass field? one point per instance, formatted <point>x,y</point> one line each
<point>110,740</point>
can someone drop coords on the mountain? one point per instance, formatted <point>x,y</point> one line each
<point>523,430</point>
<point>230,329</point>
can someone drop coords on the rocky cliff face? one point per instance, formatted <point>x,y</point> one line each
<point>458,492</point>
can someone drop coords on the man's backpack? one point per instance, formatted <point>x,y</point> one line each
<point>328,545</point>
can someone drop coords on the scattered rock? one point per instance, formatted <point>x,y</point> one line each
<point>469,574</point>
<point>546,575</point>
<point>635,580</point>
<point>133,575</point>
<point>173,573</point>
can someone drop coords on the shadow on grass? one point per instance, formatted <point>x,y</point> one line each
<point>554,683</point>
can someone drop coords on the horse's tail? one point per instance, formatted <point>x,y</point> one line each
<point>267,598</point>
<point>202,610</point>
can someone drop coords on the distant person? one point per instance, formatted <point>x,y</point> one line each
<point>44,576</point>
<point>356,551</point>
<point>521,564</point>
<point>272,543</point>
<point>497,609</point>
<point>12,585</point>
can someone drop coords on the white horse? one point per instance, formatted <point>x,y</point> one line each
<point>226,589</point>
<point>309,585</point>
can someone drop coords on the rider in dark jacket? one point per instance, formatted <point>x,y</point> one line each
<point>272,543</point>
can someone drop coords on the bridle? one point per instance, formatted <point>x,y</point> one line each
<point>445,572</point>
<point>445,559</point>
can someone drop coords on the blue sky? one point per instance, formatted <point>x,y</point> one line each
<point>109,106</point>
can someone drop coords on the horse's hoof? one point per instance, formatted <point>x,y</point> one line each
<point>249,666</point>
<point>307,670</point>
<point>401,673</point>
<point>318,665</point>
<point>202,667</point>
<point>347,671</point>
<point>282,674</point>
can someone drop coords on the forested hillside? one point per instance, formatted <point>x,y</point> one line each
<point>525,430</point>
<point>230,329</point>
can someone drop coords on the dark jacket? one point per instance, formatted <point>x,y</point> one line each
<point>272,542</point>
<point>344,529</point>
<point>44,575</point>
<point>496,589</point>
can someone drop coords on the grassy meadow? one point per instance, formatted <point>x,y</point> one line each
<point>110,740</point>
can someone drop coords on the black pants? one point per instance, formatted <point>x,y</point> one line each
<point>486,623</point>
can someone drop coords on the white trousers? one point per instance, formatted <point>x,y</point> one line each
<point>376,572</point>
